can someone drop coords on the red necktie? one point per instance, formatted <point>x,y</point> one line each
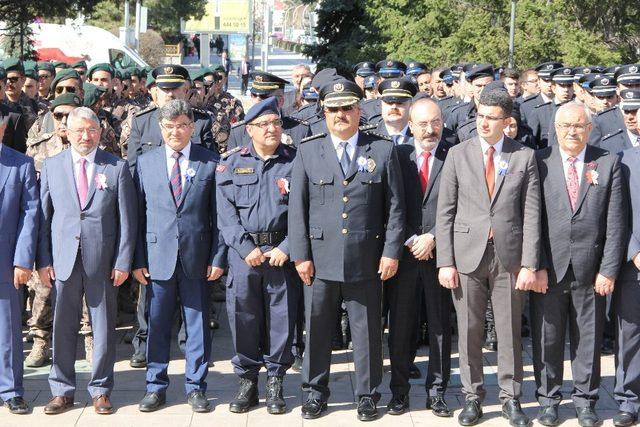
<point>83,184</point>
<point>424,170</point>
<point>489,171</point>
<point>572,182</point>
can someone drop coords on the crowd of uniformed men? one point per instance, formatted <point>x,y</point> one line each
<point>401,197</point>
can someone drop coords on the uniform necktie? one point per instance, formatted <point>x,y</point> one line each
<point>176,178</point>
<point>424,170</point>
<point>397,139</point>
<point>345,160</point>
<point>489,171</point>
<point>83,184</point>
<point>572,182</point>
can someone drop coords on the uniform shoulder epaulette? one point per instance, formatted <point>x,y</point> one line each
<point>236,124</point>
<point>201,111</point>
<point>299,120</point>
<point>312,137</point>
<point>543,104</point>
<point>457,106</point>
<point>609,135</point>
<point>368,126</point>
<point>146,110</point>
<point>529,98</point>
<point>39,138</point>
<point>378,135</point>
<point>599,113</point>
<point>230,152</point>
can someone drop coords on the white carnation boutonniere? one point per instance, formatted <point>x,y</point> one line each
<point>503,166</point>
<point>362,164</point>
<point>189,174</point>
<point>101,181</point>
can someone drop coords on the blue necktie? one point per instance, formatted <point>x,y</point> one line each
<point>345,160</point>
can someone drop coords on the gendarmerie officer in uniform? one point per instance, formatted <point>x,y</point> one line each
<point>145,135</point>
<point>346,230</point>
<point>263,287</point>
<point>371,109</point>
<point>265,85</point>
<point>610,120</point>
<point>629,136</point>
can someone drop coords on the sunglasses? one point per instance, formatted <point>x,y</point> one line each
<point>59,116</point>
<point>13,80</point>
<point>336,109</point>
<point>82,73</point>
<point>65,89</point>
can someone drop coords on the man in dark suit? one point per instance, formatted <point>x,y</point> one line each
<point>421,160</point>
<point>488,248</point>
<point>346,220</point>
<point>177,251</point>
<point>584,222</point>
<point>19,223</point>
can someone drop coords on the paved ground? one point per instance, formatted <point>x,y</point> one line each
<point>129,389</point>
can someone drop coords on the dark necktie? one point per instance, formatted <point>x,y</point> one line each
<point>176,178</point>
<point>345,160</point>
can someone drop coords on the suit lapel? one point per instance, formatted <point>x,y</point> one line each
<point>100,166</point>
<point>555,170</point>
<point>438,161</point>
<point>161,160</point>
<point>328,153</point>
<point>4,166</point>
<point>68,171</point>
<point>505,156</point>
<point>188,183</point>
<point>584,185</point>
<point>477,165</point>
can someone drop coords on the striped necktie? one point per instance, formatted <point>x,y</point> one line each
<point>176,178</point>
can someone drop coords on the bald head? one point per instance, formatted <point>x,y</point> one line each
<point>573,125</point>
<point>425,121</point>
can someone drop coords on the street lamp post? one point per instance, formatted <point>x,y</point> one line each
<point>512,33</point>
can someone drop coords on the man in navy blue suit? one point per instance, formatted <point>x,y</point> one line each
<point>18,236</point>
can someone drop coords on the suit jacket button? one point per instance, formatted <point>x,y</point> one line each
<point>491,213</point>
<point>345,199</point>
<point>82,216</point>
<point>345,183</point>
<point>77,237</point>
<point>345,215</point>
<point>178,215</point>
<point>573,220</point>
<point>321,181</point>
<point>571,241</point>
<point>344,231</point>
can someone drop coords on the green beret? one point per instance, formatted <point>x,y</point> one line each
<point>125,75</point>
<point>219,68</point>
<point>60,64</point>
<point>29,64</point>
<point>65,74</point>
<point>13,64</point>
<point>92,94</point>
<point>46,66</point>
<point>82,63</point>
<point>150,81</point>
<point>66,99</point>
<point>135,71</point>
<point>197,74</point>
<point>102,67</point>
<point>31,73</point>
<point>3,73</point>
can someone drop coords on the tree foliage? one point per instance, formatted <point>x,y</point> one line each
<point>438,32</point>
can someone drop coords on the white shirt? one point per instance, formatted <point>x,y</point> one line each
<point>90,165</point>
<point>497,155</point>
<point>351,147</point>
<point>545,98</point>
<point>420,159</point>
<point>184,161</point>
<point>579,163</point>
<point>633,137</point>
<point>403,134</point>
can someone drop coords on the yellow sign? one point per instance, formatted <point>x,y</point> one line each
<point>222,16</point>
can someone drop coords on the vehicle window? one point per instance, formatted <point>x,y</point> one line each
<point>120,59</point>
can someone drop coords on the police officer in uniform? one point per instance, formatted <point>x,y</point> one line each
<point>545,93</point>
<point>362,70</point>
<point>395,100</point>
<point>345,236</point>
<point>264,86</point>
<point>371,109</point>
<point>263,286</point>
<point>477,77</point>
<point>14,96</point>
<point>629,136</point>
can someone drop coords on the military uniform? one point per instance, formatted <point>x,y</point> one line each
<point>27,106</point>
<point>225,111</point>
<point>623,139</point>
<point>15,135</point>
<point>293,131</point>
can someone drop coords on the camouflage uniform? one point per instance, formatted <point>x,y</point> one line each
<point>29,108</point>
<point>108,138</point>
<point>225,111</point>
<point>125,130</point>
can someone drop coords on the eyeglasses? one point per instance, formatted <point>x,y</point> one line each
<point>481,117</point>
<point>90,131</point>
<point>432,123</point>
<point>179,127</point>
<point>579,127</point>
<point>266,125</point>
<point>65,89</point>
<point>13,79</point>
<point>342,108</point>
<point>59,116</point>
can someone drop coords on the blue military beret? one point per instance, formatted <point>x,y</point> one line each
<point>266,106</point>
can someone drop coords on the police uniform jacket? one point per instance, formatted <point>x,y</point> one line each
<point>293,131</point>
<point>606,122</point>
<point>344,224</point>
<point>617,141</point>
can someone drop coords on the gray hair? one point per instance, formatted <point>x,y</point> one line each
<point>83,113</point>
<point>176,108</point>
<point>574,104</point>
<point>305,66</point>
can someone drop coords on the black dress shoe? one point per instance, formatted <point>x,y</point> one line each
<point>246,398</point>
<point>414,372</point>
<point>512,411</point>
<point>152,402</point>
<point>624,419</point>
<point>438,406</point>
<point>470,414</point>
<point>17,405</point>
<point>587,417</point>
<point>607,348</point>
<point>367,410</point>
<point>548,416</point>
<point>398,405</point>
<point>275,401</point>
<point>198,401</point>
<point>138,360</point>
<point>313,408</point>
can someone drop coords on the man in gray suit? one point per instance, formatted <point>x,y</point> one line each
<point>584,222</point>
<point>86,246</point>
<point>626,297</point>
<point>346,216</point>
<point>488,248</point>
<point>176,252</point>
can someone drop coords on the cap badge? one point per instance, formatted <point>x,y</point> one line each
<point>549,67</point>
<point>587,71</point>
<point>338,87</point>
<point>604,82</point>
<point>258,78</point>
<point>628,95</point>
<point>567,71</point>
<point>633,69</point>
<point>168,70</point>
<point>395,84</point>
<point>389,63</point>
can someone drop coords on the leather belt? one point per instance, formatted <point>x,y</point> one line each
<point>271,238</point>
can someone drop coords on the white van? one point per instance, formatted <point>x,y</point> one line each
<point>71,43</point>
